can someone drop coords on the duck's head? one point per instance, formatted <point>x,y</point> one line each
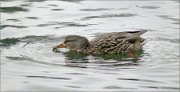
<point>74,42</point>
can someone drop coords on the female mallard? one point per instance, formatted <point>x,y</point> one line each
<point>115,42</point>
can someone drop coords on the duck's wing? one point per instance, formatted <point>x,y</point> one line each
<point>115,42</point>
<point>128,36</point>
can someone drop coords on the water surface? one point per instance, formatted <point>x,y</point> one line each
<point>30,28</point>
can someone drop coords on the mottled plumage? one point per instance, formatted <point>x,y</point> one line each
<point>115,42</point>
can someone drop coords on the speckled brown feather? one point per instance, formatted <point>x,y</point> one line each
<point>115,42</point>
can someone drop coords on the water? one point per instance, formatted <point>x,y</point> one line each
<point>30,28</point>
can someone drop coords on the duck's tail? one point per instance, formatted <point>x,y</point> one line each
<point>142,31</point>
<point>134,35</point>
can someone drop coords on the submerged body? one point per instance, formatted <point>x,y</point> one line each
<point>115,42</point>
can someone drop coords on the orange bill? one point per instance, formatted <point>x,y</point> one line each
<point>61,46</point>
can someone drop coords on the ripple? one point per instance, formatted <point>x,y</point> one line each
<point>75,64</point>
<point>12,9</point>
<point>148,7</point>
<point>124,8</point>
<point>110,16</point>
<point>71,86</point>
<point>34,39</point>
<point>117,87</point>
<point>169,40</point>
<point>6,0</point>
<point>73,1</point>
<point>54,5</point>
<point>48,77</point>
<point>36,0</point>
<point>143,80</point>
<point>14,20</point>
<point>22,58</point>
<point>32,18</point>
<point>43,7</point>
<point>76,73</point>
<point>65,24</point>
<point>161,87</point>
<point>13,26</point>
<point>27,4</point>
<point>57,9</point>
<point>17,58</point>
<point>175,20</point>
<point>29,39</point>
<point>47,24</point>
<point>97,9</point>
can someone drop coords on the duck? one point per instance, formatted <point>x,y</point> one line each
<point>113,42</point>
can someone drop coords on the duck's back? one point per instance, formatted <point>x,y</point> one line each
<point>115,42</point>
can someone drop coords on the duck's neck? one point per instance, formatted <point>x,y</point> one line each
<point>87,49</point>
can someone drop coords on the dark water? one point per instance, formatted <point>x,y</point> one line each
<point>30,28</point>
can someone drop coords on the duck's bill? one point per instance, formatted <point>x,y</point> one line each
<point>55,49</point>
<point>61,46</point>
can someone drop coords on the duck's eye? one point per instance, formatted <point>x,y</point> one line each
<point>66,41</point>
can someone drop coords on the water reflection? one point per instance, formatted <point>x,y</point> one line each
<point>73,55</point>
<point>12,9</point>
<point>9,42</point>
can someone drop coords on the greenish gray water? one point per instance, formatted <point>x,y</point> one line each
<point>30,28</point>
